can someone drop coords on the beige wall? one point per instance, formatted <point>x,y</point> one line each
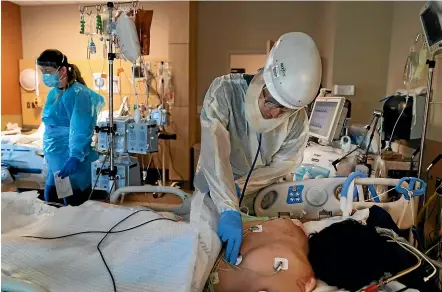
<point>251,63</point>
<point>353,39</point>
<point>250,24</point>
<point>326,40</point>
<point>361,53</point>
<point>405,26</point>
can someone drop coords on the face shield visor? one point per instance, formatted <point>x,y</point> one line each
<point>253,113</point>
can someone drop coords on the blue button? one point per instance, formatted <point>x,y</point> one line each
<point>294,194</point>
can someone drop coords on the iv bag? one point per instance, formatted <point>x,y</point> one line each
<point>420,70</point>
<point>410,69</point>
<point>415,65</point>
<point>128,38</point>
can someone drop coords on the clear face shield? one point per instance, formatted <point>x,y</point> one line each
<point>270,102</point>
<point>257,94</point>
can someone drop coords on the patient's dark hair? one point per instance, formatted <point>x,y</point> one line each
<point>56,59</point>
<point>350,255</point>
<point>347,255</point>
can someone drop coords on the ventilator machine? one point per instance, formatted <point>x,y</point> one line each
<point>328,123</point>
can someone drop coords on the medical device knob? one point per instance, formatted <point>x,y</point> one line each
<point>316,197</point>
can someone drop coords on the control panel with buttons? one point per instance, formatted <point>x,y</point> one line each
<point>294,195</point>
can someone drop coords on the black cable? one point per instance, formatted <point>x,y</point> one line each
<point>98,177</point>
<point>106,234</point>
<point>359,146</point>
<point>251,170</point>
<point>101,232</point>
<point>402,290</point>
<point>101,253</point>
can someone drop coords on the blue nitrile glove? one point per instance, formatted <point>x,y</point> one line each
<point>69,168</point>
<point>238,190</point>
<point>230,231</point>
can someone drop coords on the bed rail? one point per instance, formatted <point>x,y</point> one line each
<point>182,209</point>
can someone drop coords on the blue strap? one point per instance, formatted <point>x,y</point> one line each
<point>411,187</point>
<point>353,176</point>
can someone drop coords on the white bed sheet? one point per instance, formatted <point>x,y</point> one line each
<point>34,140</point>
<point>22,140</point>
<point>160,256</point>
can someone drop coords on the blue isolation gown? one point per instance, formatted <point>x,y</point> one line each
<point>70,117</point>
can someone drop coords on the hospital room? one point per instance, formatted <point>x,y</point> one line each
<point>221,146</point>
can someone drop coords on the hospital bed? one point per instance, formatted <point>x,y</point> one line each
<point>321,198</point>
<point>162,255</point>
<point>22,159</point>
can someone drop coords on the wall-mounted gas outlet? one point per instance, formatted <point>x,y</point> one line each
<point>438,187</point>
<point>346,90</point>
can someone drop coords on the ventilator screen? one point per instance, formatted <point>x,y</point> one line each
<point>322,118</point>
<point>432,25</point>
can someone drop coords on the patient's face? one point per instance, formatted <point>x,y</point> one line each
<point>268,106</point>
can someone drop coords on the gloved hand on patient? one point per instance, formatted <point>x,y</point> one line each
<point>70,167</point>
<point>230,232</point>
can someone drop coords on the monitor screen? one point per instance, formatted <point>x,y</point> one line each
<point>432,25</point>
<point>323,116</point>
<point>156,115</point>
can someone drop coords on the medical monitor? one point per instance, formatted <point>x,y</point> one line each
<point>325,117</point>
<point>431,22</point>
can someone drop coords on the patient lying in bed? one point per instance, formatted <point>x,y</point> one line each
<point>280,238</point>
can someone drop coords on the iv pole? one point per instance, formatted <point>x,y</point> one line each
<point>431,65</point>
<point>110,129</point>
<point>111,57</point>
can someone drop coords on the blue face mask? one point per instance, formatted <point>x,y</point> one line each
<point>51,80</point>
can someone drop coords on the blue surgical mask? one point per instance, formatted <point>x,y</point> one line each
<point>51,80</point>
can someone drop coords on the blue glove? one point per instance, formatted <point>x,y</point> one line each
<point>69,168</point>
<point>230,231</point>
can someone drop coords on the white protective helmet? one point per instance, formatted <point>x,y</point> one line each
<point>293,70</point>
